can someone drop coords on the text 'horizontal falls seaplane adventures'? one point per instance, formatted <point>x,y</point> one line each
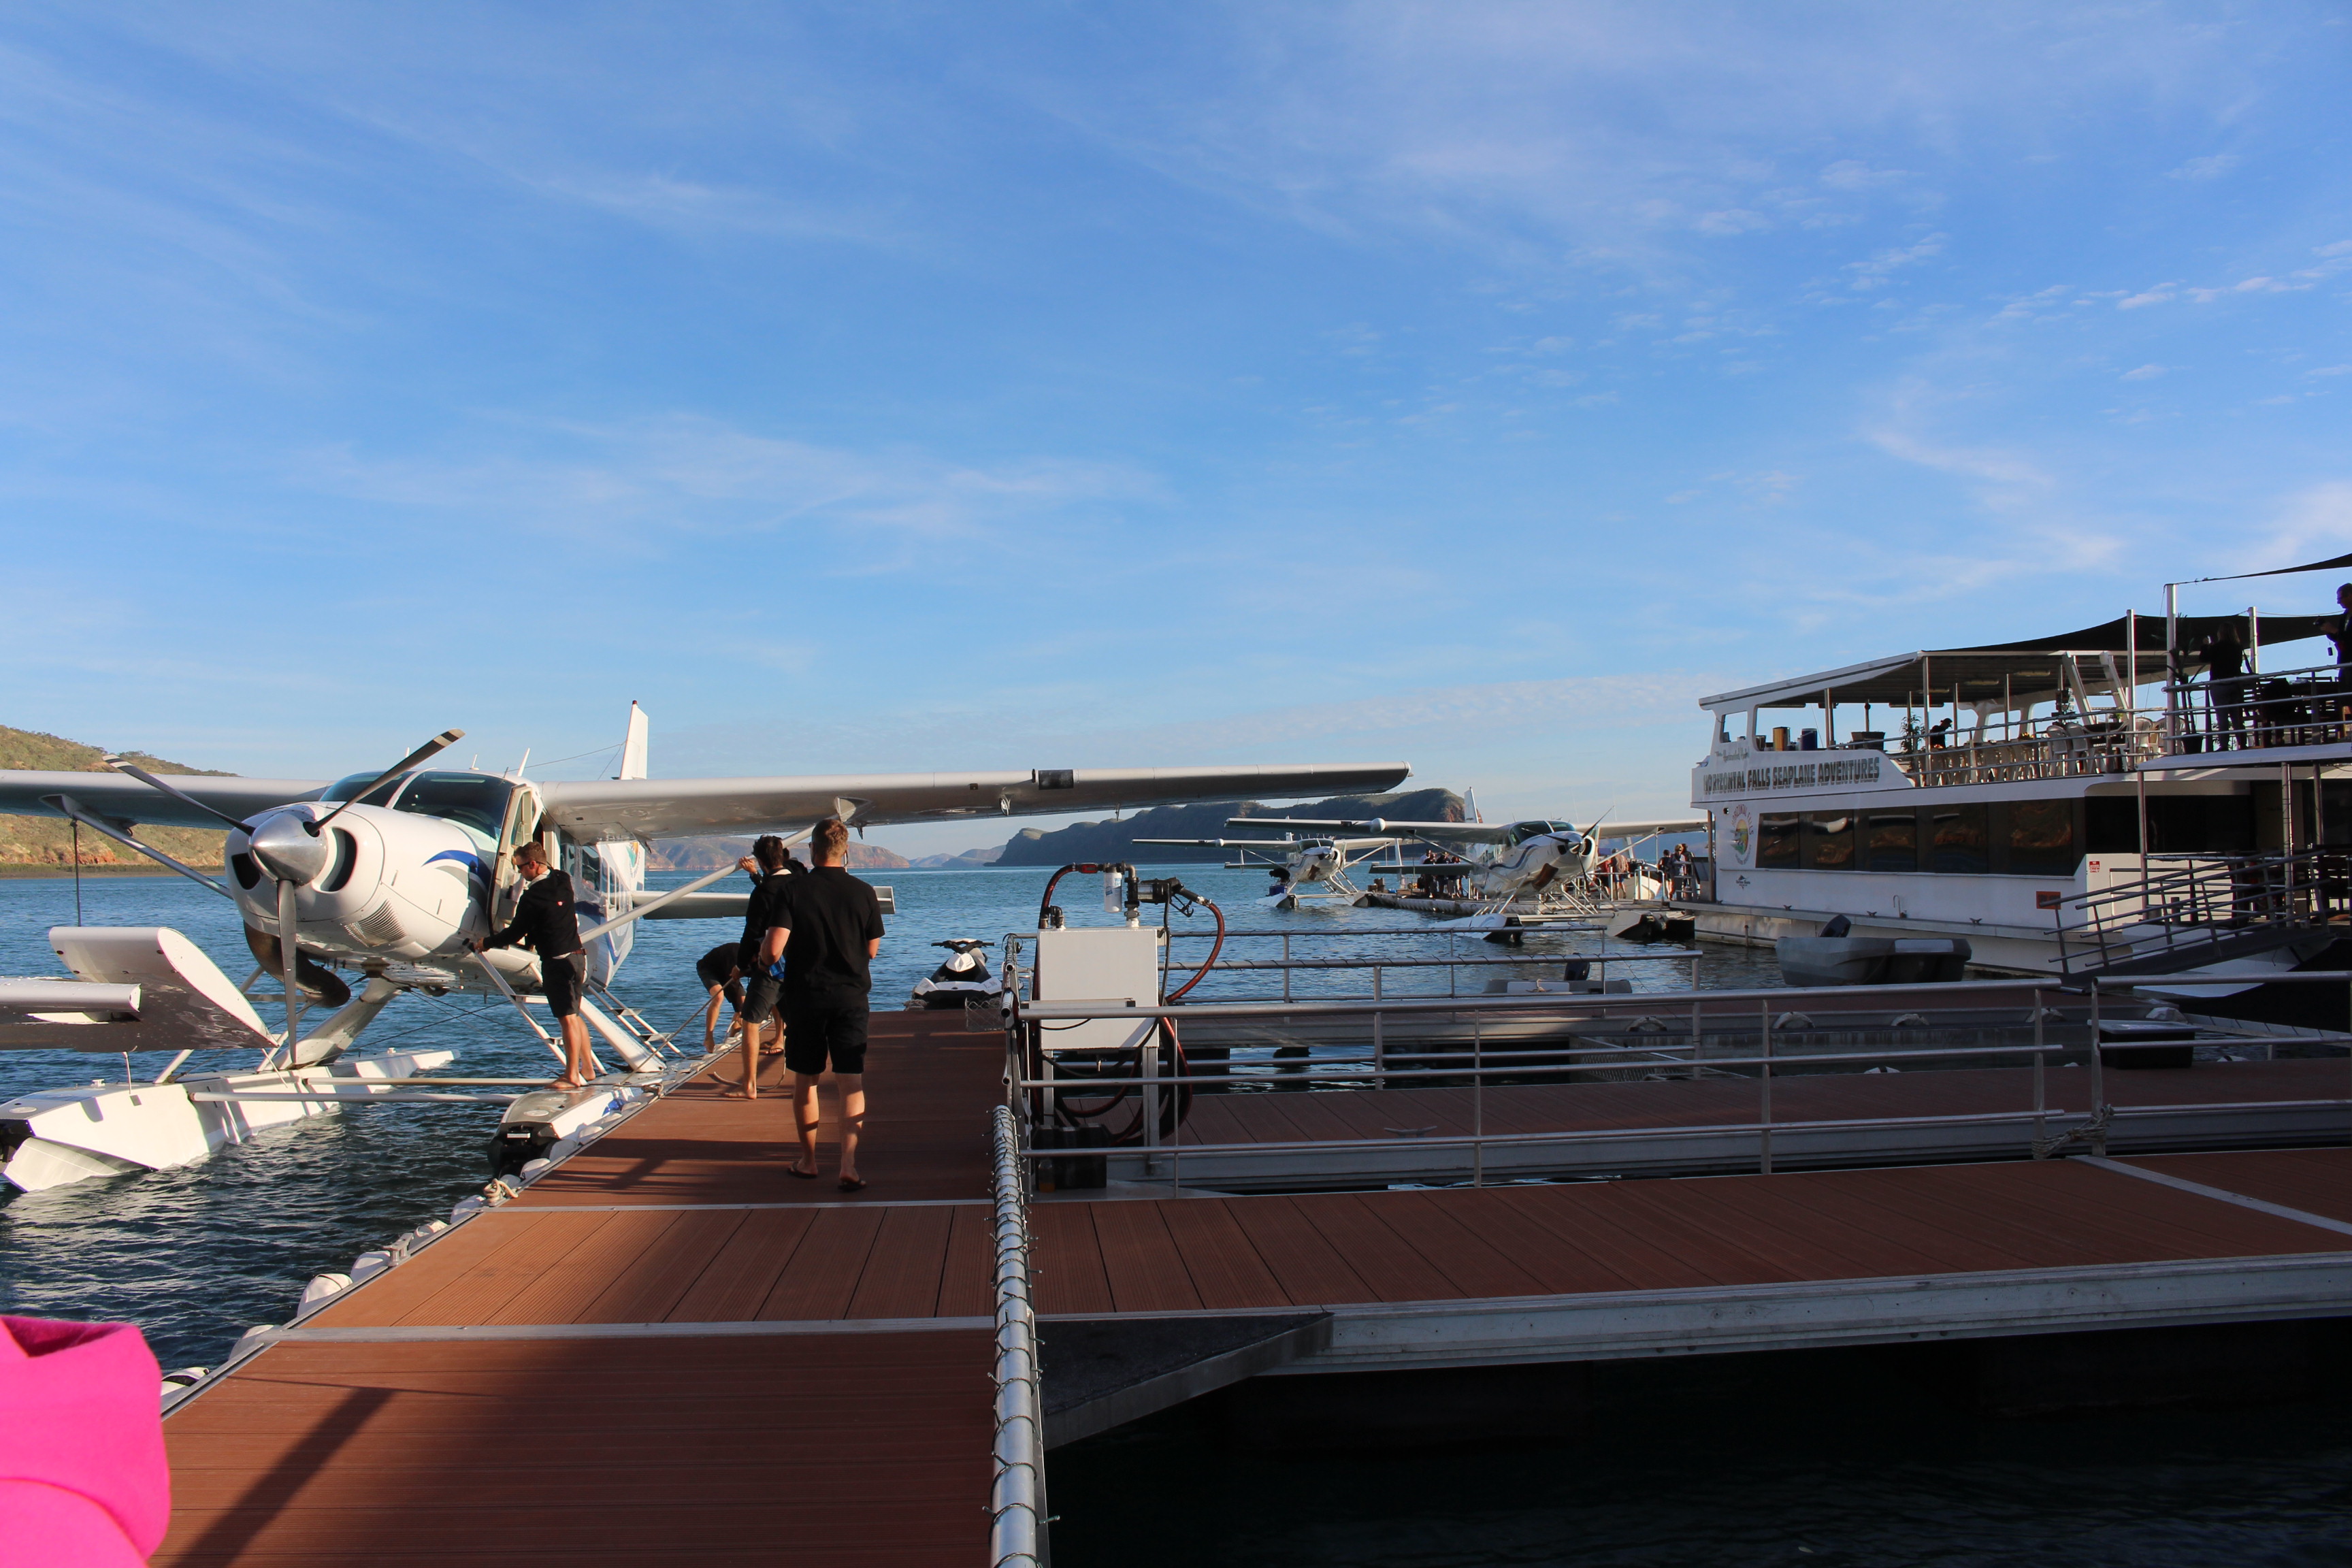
<point>391,877</point>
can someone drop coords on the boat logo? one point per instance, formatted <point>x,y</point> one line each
<point>1742,832</point>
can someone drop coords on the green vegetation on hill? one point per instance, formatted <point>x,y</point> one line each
<point>1116,840</point>
<point>47,841</point>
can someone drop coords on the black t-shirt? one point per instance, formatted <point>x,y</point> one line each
<point>764,910</point>
<point>833,916</point>
<point>544,920</point>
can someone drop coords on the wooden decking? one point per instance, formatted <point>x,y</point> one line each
<point>561,1444</point>
<point>858,1448</point>
<point>669,1350</point>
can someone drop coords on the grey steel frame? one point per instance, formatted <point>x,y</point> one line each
<point>2090,1127</point>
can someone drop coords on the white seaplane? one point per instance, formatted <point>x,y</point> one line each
<point>389,875</point>
<point>1502,863</point>
<point>1306,871</point>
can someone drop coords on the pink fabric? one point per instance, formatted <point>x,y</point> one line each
<point>83,1481</point>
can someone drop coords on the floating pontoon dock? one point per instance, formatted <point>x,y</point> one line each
<point>666,1350</point>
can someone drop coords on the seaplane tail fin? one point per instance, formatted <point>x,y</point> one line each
<point>632,749</point>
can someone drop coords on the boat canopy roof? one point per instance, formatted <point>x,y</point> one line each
<point>2027,671</point>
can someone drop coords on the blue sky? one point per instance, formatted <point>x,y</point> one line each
<point>897,386</point>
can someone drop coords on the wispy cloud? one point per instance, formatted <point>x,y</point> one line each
<point>698,477</point>
<point>2210,167</point>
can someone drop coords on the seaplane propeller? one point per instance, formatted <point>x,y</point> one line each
<point>293,847</point>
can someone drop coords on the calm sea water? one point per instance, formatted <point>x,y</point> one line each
<point>196,1255</point>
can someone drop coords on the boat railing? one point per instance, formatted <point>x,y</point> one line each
<point>2260,712</point>
<point>1155,1085</point>
<point>2185,909</point>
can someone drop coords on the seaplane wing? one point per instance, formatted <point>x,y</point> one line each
<point>1436,832</point>
<point>1611,828</point>
<point>124,799</point>
<point>676,808</point>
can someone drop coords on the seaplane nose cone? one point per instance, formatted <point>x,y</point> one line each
<point>289,850</point>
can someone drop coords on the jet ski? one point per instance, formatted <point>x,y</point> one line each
<point>964,977</point>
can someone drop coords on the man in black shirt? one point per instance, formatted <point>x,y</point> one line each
<point>832,928</point>
<point>545,922</point>
<point>771,865</point>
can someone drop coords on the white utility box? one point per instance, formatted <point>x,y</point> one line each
<point>1117,966</point>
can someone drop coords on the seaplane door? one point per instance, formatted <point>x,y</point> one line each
<point>526,820</point>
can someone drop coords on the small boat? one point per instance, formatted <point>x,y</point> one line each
<point>1838,958</point>
<point>964,977</point>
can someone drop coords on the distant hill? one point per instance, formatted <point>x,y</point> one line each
<point>710,854</point>
<point>1116,840</point>
<point>971,859</point>
<point>48,841</point>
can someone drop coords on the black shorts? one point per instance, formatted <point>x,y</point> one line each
<point>761,991</point>
<point>820,1032</point>
<point>561,979</point>
<point>714,967</point>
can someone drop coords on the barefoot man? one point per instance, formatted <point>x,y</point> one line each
<point>831,924</point>
<point>544,921</point>
<point>770,864</point>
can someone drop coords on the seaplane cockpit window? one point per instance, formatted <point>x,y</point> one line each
<point>342,789</point>
<point>476,801</point>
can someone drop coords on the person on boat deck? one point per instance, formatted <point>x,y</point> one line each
<point>722,978</point>
<point>773,870</point>
<point>546,922</point>
<point>830,926</point>
<point>2225,683</point>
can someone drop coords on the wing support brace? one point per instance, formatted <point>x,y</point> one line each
<point>650,905</point>
<point>121,833</point>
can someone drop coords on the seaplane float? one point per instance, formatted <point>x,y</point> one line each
<point>387,877</point>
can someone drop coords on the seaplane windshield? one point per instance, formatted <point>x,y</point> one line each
<point>478,801</point>
<point>343,789</point>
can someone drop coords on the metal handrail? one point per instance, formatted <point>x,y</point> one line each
<point>1528,1001</point>
<point>2233,714</point>
<point>1691,1129</point>
<point>1017,1497</point>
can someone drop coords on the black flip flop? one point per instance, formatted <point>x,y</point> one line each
<point>803,1176</point>
<point>850,1184</point>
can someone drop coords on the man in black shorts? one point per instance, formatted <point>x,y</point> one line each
<point>546,922</point>
<point>832,927</point>
<point>771,865</point>
<point>722,978</point>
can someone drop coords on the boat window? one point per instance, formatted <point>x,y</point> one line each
<point>1828,841</point>
<point>1890,840</point>
<point>2184,825</point>
<point>2044,839</point>
<point>1775,838</point>
<point>344,788</point>
<point>1960,839</point>
<point>478,801</point>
